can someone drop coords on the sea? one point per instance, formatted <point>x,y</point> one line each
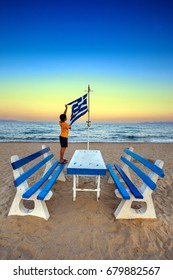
<point>19,131</point>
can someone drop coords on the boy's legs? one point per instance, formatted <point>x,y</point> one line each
<point>62,151</point>
<point>64,145</point>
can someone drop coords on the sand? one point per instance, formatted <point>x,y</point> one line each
<point>87,229</point>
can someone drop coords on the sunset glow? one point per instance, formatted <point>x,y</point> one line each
<point>48,59</point>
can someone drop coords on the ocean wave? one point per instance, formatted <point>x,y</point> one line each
<point>99,132</point>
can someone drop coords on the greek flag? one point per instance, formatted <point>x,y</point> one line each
<point>79,108</point>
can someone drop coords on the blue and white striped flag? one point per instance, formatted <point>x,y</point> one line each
<point>79,108</point>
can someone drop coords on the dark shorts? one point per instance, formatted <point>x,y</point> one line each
<point>63,142</point>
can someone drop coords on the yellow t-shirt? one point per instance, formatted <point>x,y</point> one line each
<point>64,129</point>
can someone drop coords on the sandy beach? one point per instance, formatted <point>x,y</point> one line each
<point>86,229</point>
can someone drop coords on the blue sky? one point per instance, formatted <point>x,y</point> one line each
<point>130,27</point>
<point>119,47</point>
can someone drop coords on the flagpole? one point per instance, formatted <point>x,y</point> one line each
<point>88,122</point>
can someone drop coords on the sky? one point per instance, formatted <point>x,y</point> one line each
<point>50,51</point>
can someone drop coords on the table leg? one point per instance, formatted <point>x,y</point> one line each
<point>98,187</point>
<point>74,187</point>
<point>77,180</point>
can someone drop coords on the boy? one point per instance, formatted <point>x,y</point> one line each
<point>63,138</point>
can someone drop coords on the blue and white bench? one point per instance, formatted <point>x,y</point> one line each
<point>41,189</point>
<point>136,201</point>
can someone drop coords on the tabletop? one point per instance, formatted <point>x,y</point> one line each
<point>87,162</point>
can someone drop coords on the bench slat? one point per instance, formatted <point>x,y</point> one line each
<point>23,161</point>
<point>33,169</point>
<point>129,183</point>
<point>120,187</point>
<point>49,185</point>
<point>140,173</point>
<point>38,184</point>
<point>147,163</point>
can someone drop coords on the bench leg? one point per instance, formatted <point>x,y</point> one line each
<point>125,210</point>
<point>61,177</point>
<point>40,208</point>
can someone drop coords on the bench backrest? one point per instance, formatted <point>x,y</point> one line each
<point>153,167</point>
<point>17,164</point>
<point>150,179</point>
<point>25,160</point>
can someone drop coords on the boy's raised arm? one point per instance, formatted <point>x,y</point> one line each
<point>66,107</point>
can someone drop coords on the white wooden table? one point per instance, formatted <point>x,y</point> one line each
<point>86,163</point>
